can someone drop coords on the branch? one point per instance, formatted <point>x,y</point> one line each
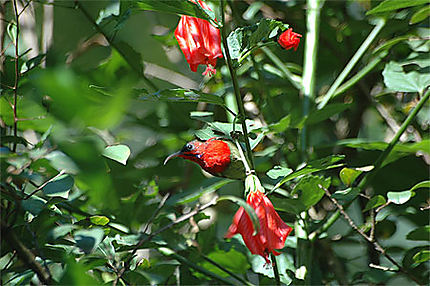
<point>24,254</point>
<point>375,244</point>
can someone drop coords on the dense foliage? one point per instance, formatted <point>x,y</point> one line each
<point>96,94</point>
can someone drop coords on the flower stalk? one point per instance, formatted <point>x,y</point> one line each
<point>237,95</point>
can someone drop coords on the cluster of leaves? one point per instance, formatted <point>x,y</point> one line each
<point>85,198</point>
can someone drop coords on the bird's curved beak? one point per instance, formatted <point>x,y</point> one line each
<point>176,154</point>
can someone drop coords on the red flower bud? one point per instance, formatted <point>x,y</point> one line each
<point>289,39</point>
<point>273,230</point>
<point>199,41</point>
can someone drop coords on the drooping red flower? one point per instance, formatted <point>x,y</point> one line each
<point>273,230</point>
<point>199,41</point>
<point>289,39</point>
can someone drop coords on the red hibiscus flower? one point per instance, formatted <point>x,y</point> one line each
<point>273,231</point>
<point>199,41</point>
<point>289,39</point>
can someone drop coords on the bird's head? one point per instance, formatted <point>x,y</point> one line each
<point>192,151</point>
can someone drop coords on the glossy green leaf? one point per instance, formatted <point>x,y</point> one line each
<point>99,220</point>
<point>421,233</point>
<point>420,15</point>
<point>59,187</point>
<point>278,171</point>
<point>309,191</point>
<point>284,261</point>
<point>348,175</point>
<point>119,153</point>
<point>374,202</point>
<point>423,184</point>
<point>204,134</point>
<point>391,42</point>
<point>34,204</point>
<point>399,198</point>
<point>391,5</point>
<point>422,256</point>
<point>232,260</point>
<point>244,39</point>
<point>183,95</point>
<point>313,166</point>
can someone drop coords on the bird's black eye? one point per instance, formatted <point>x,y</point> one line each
<point>189,147</point>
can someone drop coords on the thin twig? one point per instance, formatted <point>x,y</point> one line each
<point>227,271</point>
<point>44,184</point>
<point>24,254</point>
<point>376,245</point>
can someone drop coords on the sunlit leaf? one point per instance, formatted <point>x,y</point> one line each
<point>399,198</point>
<point>420,15</point>
<point>119,153</point>
<point>390,5</point>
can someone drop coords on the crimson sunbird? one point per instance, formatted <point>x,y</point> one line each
<point>217,156</point>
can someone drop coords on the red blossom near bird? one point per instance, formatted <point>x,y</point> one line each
<point>273,230</point>
<point>216,156</point>
<point>199,41</point>
<point>289,39</point>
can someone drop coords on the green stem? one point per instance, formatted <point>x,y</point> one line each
<point>132,63</point>
<point>368,177</point>
<point>17,74</point>
<point>295,80</point>
<point>393,142</point>
<point>310,59</point>
<point>275,269</point>
<point>362,73</point>
<point>236,88</point>
<point>364,46</point>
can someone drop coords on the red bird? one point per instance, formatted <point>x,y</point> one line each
<point>216,156</point>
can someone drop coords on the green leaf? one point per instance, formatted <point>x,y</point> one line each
<point>346,195</point>
<point>391,5</point>
<point>61,161</point>
<point>32,63</point>
<point>348,175</point>
<point>119,153</point>
<point>242,40</point>
<point>374,202</point>
<point>204,134</point>
<point>183,95</point>
<point>309,191</point>
<point>396,79</point>
<point>34,204</point>
<point>421,233</point>
<point>60,231</point>
<point>88,240</point>
<point>399,198</point>
<point>59,187</point>
<point>205,116</point>
<point>278,171</point>
<point>175,7</point>
<point>99,220</point>
<point>248,209</point>
<point>14,139</point>
<point>420,15</point>
<point>423,184</point>
<point>422,256</point>
<point>76,274</point>
<point>313,166</point>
